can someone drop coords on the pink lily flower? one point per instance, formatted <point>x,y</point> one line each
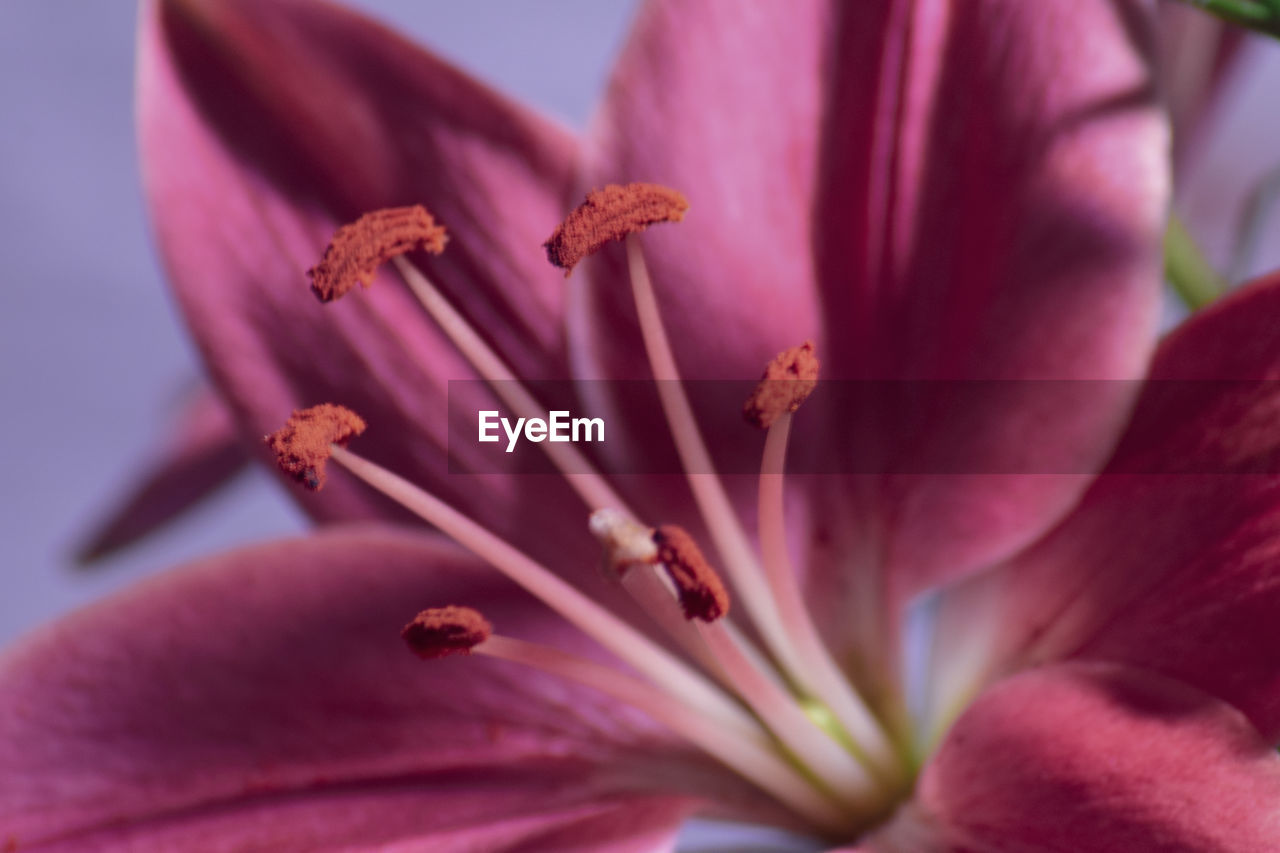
<point>1199,56</point>
<point>927,192</point>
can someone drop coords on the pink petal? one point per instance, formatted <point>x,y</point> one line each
<point>411,816</point>
<point>722,102</point>
<point>1008,186</point>
<point>263,126</point>
<point>1095,757</point>
<point>204,453</point>
<point>929,195</point>
<point>248,697</point>
<point>1169,561</point>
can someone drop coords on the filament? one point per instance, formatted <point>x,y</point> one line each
<point>730,539</point>
<point>748,757</point>
<point>576,469</point>
<point>671,674</point>
<point>820,672</point>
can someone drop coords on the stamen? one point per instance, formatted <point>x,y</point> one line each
<point>748,757</point>
<point>303,444</point>
<point>702,594</point>
<point>359,248</point>
<point>819,671</point>
<point>787,382</point>
<point>631,559</point>
<point>443,631</point>
<point>611,632</point>
<point>611,214</point>
<point>722,523</point>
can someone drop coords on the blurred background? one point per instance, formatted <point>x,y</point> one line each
<point>93,359</point>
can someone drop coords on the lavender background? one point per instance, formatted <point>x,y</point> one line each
<point>92,356</point>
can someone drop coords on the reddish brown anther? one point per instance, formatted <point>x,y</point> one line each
<point>443,631</point>
<point>611,214</point>
<point>358,249</point>
<point>702,593</point>
<point>302,444</point>
<point>787,382</point>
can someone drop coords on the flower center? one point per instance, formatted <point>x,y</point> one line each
<point>781,713</point>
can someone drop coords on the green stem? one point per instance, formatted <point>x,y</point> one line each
<point>1193,279</point>
<point>1260,15</point>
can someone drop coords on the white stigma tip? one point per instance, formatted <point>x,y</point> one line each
<point>626,542</point>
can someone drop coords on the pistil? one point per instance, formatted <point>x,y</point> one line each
<point>697,588</point>
<point>722,523</point>
<point>704,601</point>
<point>618,213</point>
<point>630,559</point>
<point>803,655</point>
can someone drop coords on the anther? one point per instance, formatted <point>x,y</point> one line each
<point>359,248</point>
<point>611,214</point>
<point>702,593</point>
<point>443,631</point>
<point>302,444</point>
<point>787,382</point>
<point>626,542</point>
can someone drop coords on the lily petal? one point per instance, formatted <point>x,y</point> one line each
<point>1168,563</point>
<point>1095,757</point>
<point>411,816</point>
<point>205,454</point>
<point>264,697</point>
<point>930,195</point>
<point>721,102</point>
<point>263,126</point>
<point>993,209</point>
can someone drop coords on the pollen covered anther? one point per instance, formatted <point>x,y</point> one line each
<point>302,444</point>
<point>359,248</point>
<point>702,593</point>
<point>611,214</point>
<point>443,631</point>
<point>787,382</point>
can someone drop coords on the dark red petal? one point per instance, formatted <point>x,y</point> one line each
<point>928,194</point>
<point>1176,571</point>
<point>264,698</point>
<point>264,124</point>
<point>1096,757</point>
